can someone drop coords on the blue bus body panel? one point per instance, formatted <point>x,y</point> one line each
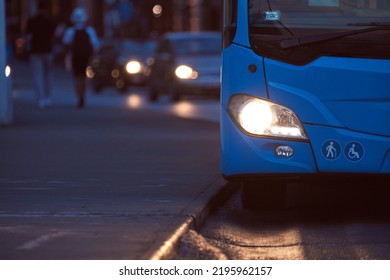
<point>353,152</point>
<point>345,92</point>
<point>242,34</point>
<point>244,155</point>
<point>236,76</point>
<point>343,104</point>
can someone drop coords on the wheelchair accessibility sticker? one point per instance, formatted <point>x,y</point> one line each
<point>331,149</point>
<point>354,151</point>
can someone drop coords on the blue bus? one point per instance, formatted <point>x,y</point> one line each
<point>305,93</point>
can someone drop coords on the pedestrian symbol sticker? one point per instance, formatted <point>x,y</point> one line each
<point>354,151</point>
<point>331,150</point>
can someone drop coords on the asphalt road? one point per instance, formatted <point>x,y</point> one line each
<point>338,221</point>
<point>111,181</point>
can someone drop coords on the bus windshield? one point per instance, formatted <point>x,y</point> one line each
<point>298,31</point>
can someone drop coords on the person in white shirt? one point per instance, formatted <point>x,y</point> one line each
<point>82,42</point>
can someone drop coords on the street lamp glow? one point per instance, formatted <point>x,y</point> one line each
<point>157,10</point>
<point>7,71</point>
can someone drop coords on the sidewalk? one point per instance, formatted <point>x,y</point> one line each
<point>105,182</point>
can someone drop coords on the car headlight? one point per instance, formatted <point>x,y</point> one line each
<point>263,118</point>
<point>89,72</point>
<point>185,72</point>
<point>133,67</point>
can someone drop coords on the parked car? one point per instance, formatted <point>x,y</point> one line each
<point>186,63</point>
<point>120,64</point>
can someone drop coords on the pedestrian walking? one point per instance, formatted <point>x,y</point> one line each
<point>40,31</point>
<point>81,41</point>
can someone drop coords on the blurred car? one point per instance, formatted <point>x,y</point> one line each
<point>186,63</point>
<point>120,64</point>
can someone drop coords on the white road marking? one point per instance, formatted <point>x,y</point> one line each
<point>40,240</point>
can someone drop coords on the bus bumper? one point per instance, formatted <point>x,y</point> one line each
<point>329,150</point>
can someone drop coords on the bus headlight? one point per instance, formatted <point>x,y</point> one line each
<point>185,72</point>
<point>133,67</point>
<point>263,118</point>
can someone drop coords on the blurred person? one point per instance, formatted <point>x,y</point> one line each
<point>81,41</point>
<point>40,33</point>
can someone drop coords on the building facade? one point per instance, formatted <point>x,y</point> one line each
<point>124,18</point>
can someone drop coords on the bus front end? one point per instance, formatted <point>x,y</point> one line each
<point>305,91</point>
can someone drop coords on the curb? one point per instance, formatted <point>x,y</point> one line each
<point>194,221</point>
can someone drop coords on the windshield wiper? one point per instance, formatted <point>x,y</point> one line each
<point>305,40</point>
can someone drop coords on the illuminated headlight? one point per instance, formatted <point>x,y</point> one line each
<point>185,72</point>
<point>133,67</point>
<point>7,71</point>
<point>263,118</point>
